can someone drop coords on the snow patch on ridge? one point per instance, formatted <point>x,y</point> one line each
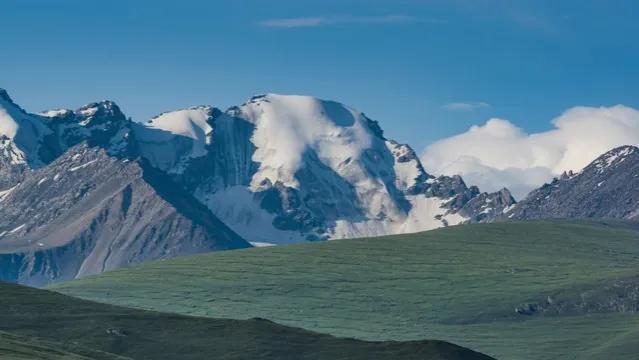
<point>17,229</point>
<point>5,193</point>
<point>55,113</point>
<point>261,244</point>
<point>76,168</point>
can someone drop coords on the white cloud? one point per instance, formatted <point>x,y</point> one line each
<point>316,21</point>
<point>499,154</point>
<point>466,106</point>
<point>293,22</point>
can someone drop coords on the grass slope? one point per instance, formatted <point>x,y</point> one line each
<point>19,348</point>
<point>39,324</point>
<point>460,284</point>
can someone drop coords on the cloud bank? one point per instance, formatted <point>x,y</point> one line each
<point>499,154</point>
<point>316,21</point>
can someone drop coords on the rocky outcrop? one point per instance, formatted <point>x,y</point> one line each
<point>607,296</point>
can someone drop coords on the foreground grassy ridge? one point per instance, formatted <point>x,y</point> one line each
<point>38,324</point>
<point>460,284</point>
<point>18,348</point>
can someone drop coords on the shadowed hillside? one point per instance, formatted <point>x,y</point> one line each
<point>38,324</point>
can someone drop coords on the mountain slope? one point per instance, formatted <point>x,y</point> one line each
<point>89,212</point>
<point>54,323</point>
<point>520,290</point>
<point>606,188</point>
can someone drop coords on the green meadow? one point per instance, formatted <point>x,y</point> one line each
<point>464,284</point>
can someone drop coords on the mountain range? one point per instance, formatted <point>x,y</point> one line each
<point>89,190</point>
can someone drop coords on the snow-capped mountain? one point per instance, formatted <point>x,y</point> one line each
<point>606,188</point>
<point>93,204</point>
<point>281,169</point>
<point>88,190</point>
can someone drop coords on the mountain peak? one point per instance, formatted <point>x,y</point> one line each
<point>620,151</point>
<point>4,95</point>
<point>613,157</point>
<point>21,133</point>
<point>505,192</point>
<point>6,100</point>
<point>104,108</point>
<point>102,113</point>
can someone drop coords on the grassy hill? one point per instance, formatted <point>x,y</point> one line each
<point>520,290</point>
<point>39,324</point>
<point>19,348</point>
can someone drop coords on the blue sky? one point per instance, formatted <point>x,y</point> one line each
<point>424,69</point>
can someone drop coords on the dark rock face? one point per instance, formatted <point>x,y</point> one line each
<point>89,212</point>
<point>607,188</point>
<point>487,207</point>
